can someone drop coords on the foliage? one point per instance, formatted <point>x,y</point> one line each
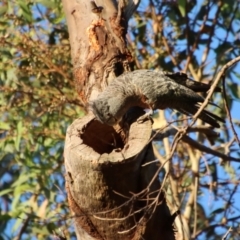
<point>198,37</point>
<point>37,103</point>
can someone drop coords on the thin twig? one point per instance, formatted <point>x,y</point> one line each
<point>171,131</point>
<point>195,45</point>
<point>211,33</point>
<point>226,234</point>
<point>196,179</point>
<point>23,228</point>
<point>228,111</point>
<point>203,148</point>
<point>211,90</point>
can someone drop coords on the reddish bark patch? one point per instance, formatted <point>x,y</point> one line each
<point>81,76</point>
<point>94,41</point>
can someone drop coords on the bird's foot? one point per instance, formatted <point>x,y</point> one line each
<point>145,117</point>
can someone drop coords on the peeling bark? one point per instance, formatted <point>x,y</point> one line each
<point>98,46</point>
<point>107,178</point>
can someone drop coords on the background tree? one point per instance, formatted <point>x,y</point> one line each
<point>38,103</point>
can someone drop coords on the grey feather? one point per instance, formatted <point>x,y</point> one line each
<point>153,90</point>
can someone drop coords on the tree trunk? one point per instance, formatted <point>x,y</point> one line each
<point>112,191</point>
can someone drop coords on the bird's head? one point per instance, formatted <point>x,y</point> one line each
<point>102,112</point>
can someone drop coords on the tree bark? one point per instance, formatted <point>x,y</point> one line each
<point>107,175</point>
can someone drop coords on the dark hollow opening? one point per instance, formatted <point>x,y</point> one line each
<point>102,138</point>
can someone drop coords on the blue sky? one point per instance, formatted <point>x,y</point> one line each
<point>207,199</point>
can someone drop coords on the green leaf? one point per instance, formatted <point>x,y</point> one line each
<point>5,191</point>
<point>15,204</point>
<point>42,230</point>
<point>47,3</point>
<point>58,20</point>
<point>26,10</point>
<point>217,211</point>
<point>235,89</point>
<point>48,142</point>
<point>182,7</point>
<point>22,179</point>
<point>17,224</point>
<point>4,126</point>
<point>19,135</point>
<point>3,9</point>
<point>5,217</point>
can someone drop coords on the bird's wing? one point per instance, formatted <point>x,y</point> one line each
<point>206,116</point>
<point>183,79</point>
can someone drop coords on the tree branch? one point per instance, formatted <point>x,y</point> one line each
<point>159,136</point>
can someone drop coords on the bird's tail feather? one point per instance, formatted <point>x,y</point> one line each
<point>205,115</point>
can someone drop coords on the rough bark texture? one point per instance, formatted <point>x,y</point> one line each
<point>106,177</point>
<point>98,48</point>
